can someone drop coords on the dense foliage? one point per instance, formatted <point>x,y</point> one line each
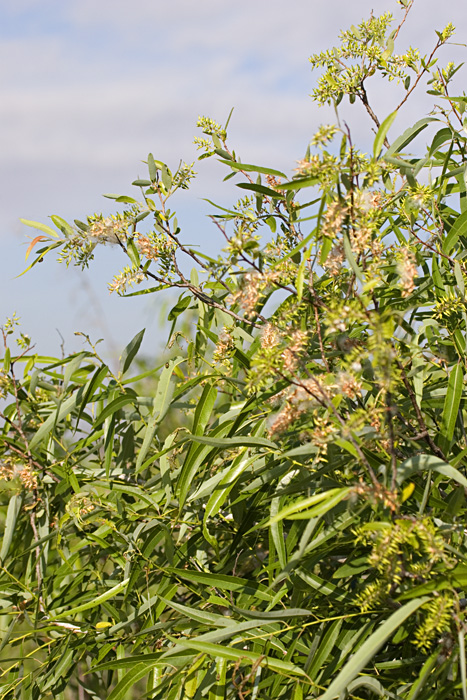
<point>276,510</point>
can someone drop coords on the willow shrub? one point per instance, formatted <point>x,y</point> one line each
<point>283,514</point>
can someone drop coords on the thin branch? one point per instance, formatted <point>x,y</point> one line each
<point>390,424</point>
<point>453,106</point>
<point>422,72</point>
<point>421,422</point>
<point>364,99</point>
<point>407,10</point>
<point>320,339</point>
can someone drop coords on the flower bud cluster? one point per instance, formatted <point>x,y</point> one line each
<point>13,468</point>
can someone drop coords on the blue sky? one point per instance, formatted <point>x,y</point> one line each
<point>89,88</point>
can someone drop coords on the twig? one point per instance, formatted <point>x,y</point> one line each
<point>422,72</point>
<point>453,106</point>
<point>390,425</point>
<point>320,339</point>
<point>407,10</point>
<point>423,427</point>
<point>32,520</point>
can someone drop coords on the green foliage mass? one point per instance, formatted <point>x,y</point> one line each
<point>277,509</point>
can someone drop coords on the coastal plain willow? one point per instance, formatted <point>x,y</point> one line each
<point>276,508</point>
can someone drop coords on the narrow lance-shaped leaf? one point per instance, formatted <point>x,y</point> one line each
<point>216,650</point>
<point>63,225</point>
<point>333,496</point>
<point>133,253</point>
<point>382,133</point>
<point>248,168</point>
<point>35,240</point>
<point>92,386</point>
<point>113,407</point>
<point>164,393</point>
<point>152,167</point>
<point>42,227</point>
<point>62,410</point>
<point>409,135</point>
<point>451,405</point>
<point>261,189</point>
<point>427,462</point>
<point>94,602</point>
<point>14,507</point>
<point>370,647</point>
<point>131,350</point>
<point>459,228</point>
<point>223,488</point>
<point>351,259</point>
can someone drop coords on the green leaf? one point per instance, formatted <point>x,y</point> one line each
<point>120,692</point>
<point>227,443</point>
<point>141,183</point>
<point>216,650</point>
<point>182,304</point>
<point>409,135</point>
<point>389,49</point>
<point>196,456</point>
<point>326,501</point>
<point>440,137</point>
<point>351,259</point>
<point>370,647</point>
<point>152,167</point>
<point>277,531</point>
<point>71,368</point>
<point>299,183</point>
<point>137,493</point>
<point>63,409</point>
<point>224,487</point>
<point>459,277</point>
<point>204,409</point>
<point>14,508</point>
<point>40,256</point>
<point>95,602</point>
<point>202,616</point>
<point>113,407</point>
<point>130,351</point>
<point>300,279</point>
<point>253,168</point>
<point>462,661</point>
<point>223,154</point>
<point>423,676</point>
<point>451,405</point>
<point>42,227</point>
<point>133,253</point>
<point>326,248</point>
<point>286,614</point>
<point>323,587</point>
<point>166,177</point>
<point>425,462</point>
<point>7,361</point>
<point>161,404</point>
<point>223,582</point>
<point>63,225</point>
<point>382,133</point>
<point>373,685</point>
<point>325,647</point>
<point>459,228</point>
<point>91,387</point>
<point>261,189</point>
<point>124,199</point>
